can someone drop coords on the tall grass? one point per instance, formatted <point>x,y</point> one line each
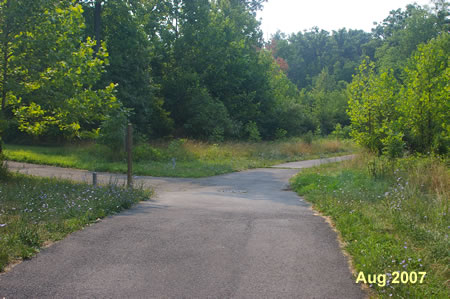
<point>181,157</point>
<point>35,211</point>
<point>392,215</point>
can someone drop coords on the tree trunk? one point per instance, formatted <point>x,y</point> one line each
<point>5,59</point>
<point>97,24</point>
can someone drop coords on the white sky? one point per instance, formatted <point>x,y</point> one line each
<point>297,15</point>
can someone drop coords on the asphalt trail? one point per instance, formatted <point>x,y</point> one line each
<point>239,235</point>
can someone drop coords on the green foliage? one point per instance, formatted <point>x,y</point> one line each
<point>55,89</point>
<point>206,117</point>
<point>341,132</point>
<point>193,158</point>
<point>280,134</point>
<point>402,31</point>
<point>251,128</point>
<point>113,130</point>
<point>123,33</point>
<point>424,99</point>
<point>145,152</point>
<point>308,137</point>
<point>283,108</point>
<point>393,144</point>
<point>328,100</point>
<point>372,106</point>
<point>177,150</point>
<point>388,116</point>
<point>3,170</point>
<point>308,53</point>
<point>201,69</point>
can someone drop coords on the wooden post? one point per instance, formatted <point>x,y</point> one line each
<point>94,179</point>
<point>129,156</point>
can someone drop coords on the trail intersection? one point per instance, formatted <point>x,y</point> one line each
<point>239,235</point>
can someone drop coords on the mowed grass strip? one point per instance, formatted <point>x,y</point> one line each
<point>181,157</point>
<point>35,211</point>
<point>392,216</point>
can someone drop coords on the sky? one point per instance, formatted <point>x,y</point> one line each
<point>291,16</point>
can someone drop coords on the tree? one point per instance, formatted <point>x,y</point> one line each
<point>372,108</point>
<point>55,70</point>
<point>328,100</point>
<point>401,32</point>
<point>130,58</point>
<point>424,101</point>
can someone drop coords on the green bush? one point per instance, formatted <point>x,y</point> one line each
<point>178,151</point>
<point>308,137</point>
<point>393,145</point>
<point>208,117</point>
<point>280,134</point>
<point>3,169</point>
<point>341,132</point>
<point>252,131</point>
<point>144,152</point>
<point>113,130</point>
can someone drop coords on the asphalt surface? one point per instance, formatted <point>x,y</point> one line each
<point>240,235</point>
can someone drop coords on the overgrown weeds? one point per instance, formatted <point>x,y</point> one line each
<point>392,215</point>
<point>181,157</point>
<point>34,211</point>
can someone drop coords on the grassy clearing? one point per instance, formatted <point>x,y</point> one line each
<point>393,216</point>
<point>193,159</point>
<point>35,211</point>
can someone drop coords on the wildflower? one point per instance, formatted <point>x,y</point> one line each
<point>2,224</point>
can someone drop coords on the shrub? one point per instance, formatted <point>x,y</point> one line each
<point>341,132</point>
<point>112,130</point>
<point>208,118</point>
<point>280,134</point>
<point>252,131</point>
<point>3,168</point>
<point>177,150</point>
<point>144,152</point>
<point>308,137</point>
<point>393,145</point>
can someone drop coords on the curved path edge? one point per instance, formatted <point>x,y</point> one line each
<point>238,235</point>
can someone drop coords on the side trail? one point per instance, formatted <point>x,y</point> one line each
<point>239,235</point>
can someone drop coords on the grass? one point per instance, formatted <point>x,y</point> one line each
<point>192,158</point>
<point>392,216</point>
<point>36,211</point>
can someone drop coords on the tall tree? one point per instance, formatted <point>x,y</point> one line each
<point>424,101</point>
<point>54,70</point>
<point>130,58</point>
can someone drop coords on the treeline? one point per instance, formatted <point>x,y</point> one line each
<point>399,99</point>
<point>196,68</point>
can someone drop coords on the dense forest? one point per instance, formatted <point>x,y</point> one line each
<point>200,68</point>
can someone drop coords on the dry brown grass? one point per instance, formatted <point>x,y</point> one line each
<point>295,148</point>
<point>434,176</point>
<point>332,146</point>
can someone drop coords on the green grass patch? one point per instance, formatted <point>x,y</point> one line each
<point>192,158</point>
<point>393,216</point>
<point>34,211</point>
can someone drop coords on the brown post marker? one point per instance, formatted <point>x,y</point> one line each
<point>129,158</point>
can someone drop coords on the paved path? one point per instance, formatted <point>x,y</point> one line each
<point>240,235</point>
